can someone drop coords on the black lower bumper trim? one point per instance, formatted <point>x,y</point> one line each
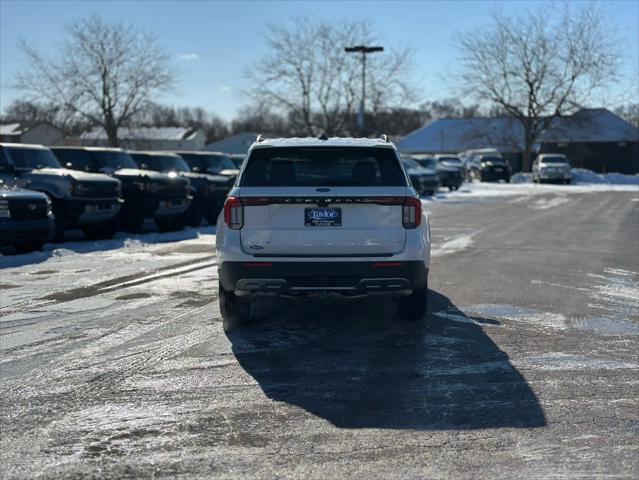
<point>365,277</point>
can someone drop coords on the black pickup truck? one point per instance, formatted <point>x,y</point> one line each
<point>26,219</point>
<point>88,201</point>
<point>147,194</point>
<point>209,191</point>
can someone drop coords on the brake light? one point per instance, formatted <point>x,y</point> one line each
<point>234,213</point>
<point>411,212</point>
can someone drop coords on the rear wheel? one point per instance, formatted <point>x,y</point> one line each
<point>102,230</point>
<point>194,214</point>
<point>413,307</point>
<point>235,310</point>
<point>171,224</point>
<point>28,247</point>
<point>132,217</point>
<point>59,220</point>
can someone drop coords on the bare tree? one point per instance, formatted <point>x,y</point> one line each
<point>539,65</point>
<point>105,72</point>
<point>307,77</point>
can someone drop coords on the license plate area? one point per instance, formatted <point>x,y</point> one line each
<point>323,217</point>
<point>172,203</point>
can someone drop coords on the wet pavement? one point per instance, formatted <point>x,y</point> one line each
<point>114,363</point>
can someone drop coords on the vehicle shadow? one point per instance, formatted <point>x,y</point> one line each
<point>349,363</point>
<point>76,243</point>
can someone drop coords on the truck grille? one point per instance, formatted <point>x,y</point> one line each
<point>28,209</point>
<point>175,189</point>
<point>97,190</point>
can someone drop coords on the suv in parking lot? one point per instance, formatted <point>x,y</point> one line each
<point>490,167</point>
<point>322,216</point>
<point>26,219</point>
<point>551,167</point>
<point>147,194</point>
<point>209,191</point>
<point>89,201</point>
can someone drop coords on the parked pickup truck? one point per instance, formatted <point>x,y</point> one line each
<point>209,191</point>
<point>89,201</point>
<point>147,194</point>
<point>26,219</point>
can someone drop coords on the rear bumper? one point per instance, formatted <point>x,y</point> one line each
<point>295,278</point>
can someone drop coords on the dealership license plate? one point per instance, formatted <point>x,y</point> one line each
<point>499,169</point>
<point>172,203</point>
<point>323,217</point>
<point>100,207</point>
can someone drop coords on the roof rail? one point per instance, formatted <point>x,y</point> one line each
<point>259,138</point>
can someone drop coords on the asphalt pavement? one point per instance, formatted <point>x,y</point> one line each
<point>116,366</point>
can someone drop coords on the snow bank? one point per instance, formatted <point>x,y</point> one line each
<point>582,176</point>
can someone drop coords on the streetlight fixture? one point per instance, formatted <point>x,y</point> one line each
<point>364,50</point>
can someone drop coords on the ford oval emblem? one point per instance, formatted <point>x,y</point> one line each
<point>323,189</point>
<point>256,247</point>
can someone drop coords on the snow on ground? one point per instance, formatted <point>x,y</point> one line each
<point>521,186</point>
<point>27,279</point>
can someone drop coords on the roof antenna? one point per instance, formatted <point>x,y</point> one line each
<point>323,137</point>
<point>259,138</point>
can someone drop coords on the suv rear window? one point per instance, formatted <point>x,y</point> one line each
<point>322,166</point>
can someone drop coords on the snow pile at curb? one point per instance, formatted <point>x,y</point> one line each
<point>583,176</point>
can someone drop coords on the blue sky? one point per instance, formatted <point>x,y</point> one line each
<point>214,42</point>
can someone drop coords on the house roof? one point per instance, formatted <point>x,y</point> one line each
<point>505,133</point>
<point>144,133</point>
<point>238,143</point>
<point>18,128</point>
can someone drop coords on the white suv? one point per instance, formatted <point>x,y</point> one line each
<point>322,216</point>
<point>551,167</point>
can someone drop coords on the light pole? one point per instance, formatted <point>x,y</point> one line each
<point>364,50</point>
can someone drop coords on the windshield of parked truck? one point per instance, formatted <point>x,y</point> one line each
<point>112,160</point>
<point>322,166</point>
<point>75,158</point>
<point>210,163</point>
<point>28,158</point>
<point>161,163</point>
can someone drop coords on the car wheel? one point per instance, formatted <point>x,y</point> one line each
<point>171,224</point>
<point>132,217</point>
<point>28,247</point>
<point>414,306</point>
<point>235,310</point>
<point>194,214</point>
<point>102,230</point>
<point>59,220</point>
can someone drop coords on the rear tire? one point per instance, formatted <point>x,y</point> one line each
<point>171,224</point>
<point>28,247</point>
<point>103,230</point>
<point>132,217</point>
<point>59,220</point>
<point>414,307</point>
<point>194,214</point>
<point>235,310</point>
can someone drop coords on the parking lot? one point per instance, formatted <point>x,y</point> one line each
<point>114,364</point>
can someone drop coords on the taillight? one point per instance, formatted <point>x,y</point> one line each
<point>411,212</point>
<point>234,213</point>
